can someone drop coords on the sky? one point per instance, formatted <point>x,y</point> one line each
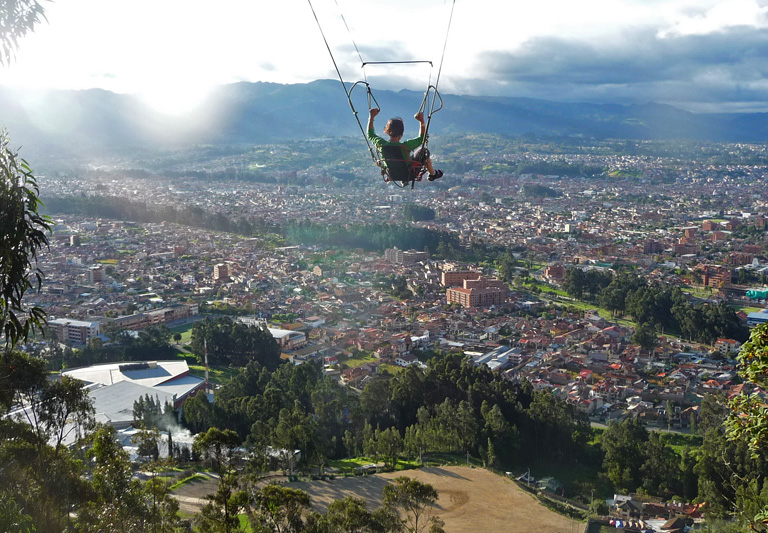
<point>700,55</point>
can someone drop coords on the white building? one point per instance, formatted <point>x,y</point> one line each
<point>75,331</point>
<point>114,387</point>
<point>288,339</point>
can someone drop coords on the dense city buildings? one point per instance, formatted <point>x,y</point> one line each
<point>518,266</point>
<point>702,229</point>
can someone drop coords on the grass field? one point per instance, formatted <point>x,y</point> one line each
<point>747,308</point>
<point>564,473</point>
<point>359,359</point>
<point>604,313</point>
<point>218,375</point>
<point>186,332</point>
<point>392,369</point>
<point>190,479</point>
<point>350,466</point>
<point>678,441</point>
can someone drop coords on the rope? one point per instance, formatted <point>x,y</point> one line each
<point>445,44</point>
<point>344,20</point>
<point>371,98</point>
<point>348,93</point>
<point>437,80</point>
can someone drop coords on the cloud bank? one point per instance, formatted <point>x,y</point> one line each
<point>702,62</point>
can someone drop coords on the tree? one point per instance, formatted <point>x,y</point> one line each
<point>351,515</point>
<point>148,441</point>
<point>23,233</point>
<point>623,443</point>
<point>556,430</point>
<point>220,513</point>
<point>389,444</point>
<point>278,509</point>
<point>748,412</point>
<point>222,510</point>
<point>17,18</point>
<point>230,342</point>
<point>501,436</point>
<point>294,431</point>
<point>163,514</point>
<point>490,454</point>
<point>149,412</point>
<point>375,401</point>
<point>199,414</point>
<point>350,444</point>
<point>747,421</point>
<point>466,427</point>
<point>660,471</point>
<point>12,518</point>
<point>122,504</point>
<point>415,213</point>
<point>688,481</point>
<point>413,498</point>
<point>645,336</point>
<point>408,391</point>
<point>220,446</point>
<point>35,465</point>
<point>505,265</point>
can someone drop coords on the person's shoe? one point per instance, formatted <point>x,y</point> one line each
<point>436,176</point>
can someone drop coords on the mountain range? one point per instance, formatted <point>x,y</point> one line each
<point>95,120</point>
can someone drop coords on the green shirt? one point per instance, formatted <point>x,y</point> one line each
<point>406,147</point>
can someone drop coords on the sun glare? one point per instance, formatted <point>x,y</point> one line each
<point>173,98</point>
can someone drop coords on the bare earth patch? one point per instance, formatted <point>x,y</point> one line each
<point>192,496</point>
<point>470,499</point>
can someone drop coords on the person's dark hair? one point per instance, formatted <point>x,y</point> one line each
<point>394,127</point>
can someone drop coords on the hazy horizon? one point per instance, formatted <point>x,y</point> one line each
<point>703,56</point>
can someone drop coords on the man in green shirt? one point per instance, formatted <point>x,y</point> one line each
<point>395,129</point>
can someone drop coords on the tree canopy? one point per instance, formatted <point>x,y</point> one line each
<point>23,233</point>
<point>230,342</point>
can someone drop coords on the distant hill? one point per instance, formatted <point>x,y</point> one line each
<point>91,121</point>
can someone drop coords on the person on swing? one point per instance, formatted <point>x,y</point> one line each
<point>394,129</point>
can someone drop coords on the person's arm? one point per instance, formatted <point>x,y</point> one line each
<point>423,128</point>
<point>371,115</point>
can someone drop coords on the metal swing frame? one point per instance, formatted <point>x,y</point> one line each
<point>405,175</point>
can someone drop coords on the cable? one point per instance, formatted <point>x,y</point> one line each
<point>328,47</point>
<point>371,98</point>
<point>352,38</point>
<point>437,80</point>
<point>343,84</point>
<point>445,44</point>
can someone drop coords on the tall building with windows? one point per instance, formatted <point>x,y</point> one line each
<point>455,278</point>
<point>480,292</point>
<point>221,272</point>
<point>409,257</point>
<point>96,274</point>
<point>74,331</point>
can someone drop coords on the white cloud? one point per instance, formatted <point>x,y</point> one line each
<point>158,47</point>
<point>721,16</point>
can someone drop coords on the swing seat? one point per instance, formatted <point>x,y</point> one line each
<point>396,165</point>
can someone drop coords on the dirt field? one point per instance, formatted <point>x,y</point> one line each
<point>470,499</point>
